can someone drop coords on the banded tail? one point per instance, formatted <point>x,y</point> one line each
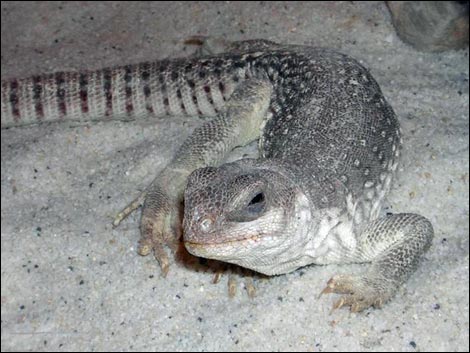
<point>177,87</point>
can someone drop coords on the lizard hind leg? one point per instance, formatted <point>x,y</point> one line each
<point>395,244</point>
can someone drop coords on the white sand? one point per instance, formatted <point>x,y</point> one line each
<point>71,282</point>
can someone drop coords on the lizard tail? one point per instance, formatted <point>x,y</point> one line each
<point>121,93</point>
<point>90,95</point>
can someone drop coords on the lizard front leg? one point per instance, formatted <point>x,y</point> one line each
<point>394,244</point>
<point>238,125</point>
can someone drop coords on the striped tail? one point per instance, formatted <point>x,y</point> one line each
<point>120,93</point>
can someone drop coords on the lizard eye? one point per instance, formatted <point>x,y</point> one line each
<point>250,211</point>
<point>257,204</point>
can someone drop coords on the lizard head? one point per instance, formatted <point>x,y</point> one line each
<point>246,214</point>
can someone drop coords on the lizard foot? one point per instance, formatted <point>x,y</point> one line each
<point>160,226</point>
<point>358,292</point>
<point>235,272</point>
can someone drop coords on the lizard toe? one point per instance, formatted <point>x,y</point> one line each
<point>359,293</point>
<point>160,229</point>
<point>233,280</point>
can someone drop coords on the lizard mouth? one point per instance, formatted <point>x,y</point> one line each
<point>241,252</point>
<point>204,249</point>
<point>219,242</point>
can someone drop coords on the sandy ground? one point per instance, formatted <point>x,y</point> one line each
<point>71,282</point>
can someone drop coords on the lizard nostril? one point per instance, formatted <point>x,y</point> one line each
<point>206,225</point>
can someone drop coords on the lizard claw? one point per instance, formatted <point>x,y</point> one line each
<point>160,228</point>
<point>232,281</point>
<point>328,289</point>
<point>248,282</point>
<point>146,246</point>
<point>159,224</point>
<point>135,204</point>
<point>359,293</point>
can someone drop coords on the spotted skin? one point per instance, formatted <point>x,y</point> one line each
<point>329,144</point>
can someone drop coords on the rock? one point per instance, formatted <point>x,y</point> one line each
<point>431,25</point>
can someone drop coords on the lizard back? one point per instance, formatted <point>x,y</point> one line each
<point>328,120</point>
<point>334,128</point>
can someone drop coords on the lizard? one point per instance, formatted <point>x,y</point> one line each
<point>329,146</point>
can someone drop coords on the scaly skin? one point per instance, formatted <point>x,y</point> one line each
<point>329,143</point>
